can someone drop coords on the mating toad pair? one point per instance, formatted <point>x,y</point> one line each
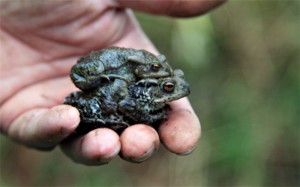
<point>123,86</point>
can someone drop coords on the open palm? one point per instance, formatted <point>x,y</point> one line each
<point>41,40</point>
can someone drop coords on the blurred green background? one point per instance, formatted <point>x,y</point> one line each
<point>242,62</point>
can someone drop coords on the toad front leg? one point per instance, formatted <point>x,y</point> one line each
<point>148,82</point>
<point>98,121</point>
<point>150,119</point>
<point>94,81</point>
<point>93,120</point>
<point>87,82</point>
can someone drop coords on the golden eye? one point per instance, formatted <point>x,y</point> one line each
<point>155,67</point>
<point>168,86</point>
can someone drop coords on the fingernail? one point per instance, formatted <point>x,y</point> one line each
<point>109,157</point>
<point>145,156</point>
<point>186,153</point>
<point>102,162</point>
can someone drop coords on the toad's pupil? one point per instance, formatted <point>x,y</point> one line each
<point>169,86</point>
<point>155,67</point>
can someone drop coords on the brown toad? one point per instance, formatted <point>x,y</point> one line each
<point>125,64</point>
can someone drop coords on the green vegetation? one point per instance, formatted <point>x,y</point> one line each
<point>242,62</point>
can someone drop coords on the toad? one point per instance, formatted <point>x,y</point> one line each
<point>145,103</point>
<point>112,63</point>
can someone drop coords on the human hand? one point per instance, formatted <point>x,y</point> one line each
<point>41,40</point>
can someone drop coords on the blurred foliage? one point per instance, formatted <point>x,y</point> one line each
<point>242,62</point>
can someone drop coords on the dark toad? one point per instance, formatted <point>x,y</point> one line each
<point>145,103</point>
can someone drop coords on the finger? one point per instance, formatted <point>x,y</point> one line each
<point>172,7</point>
<point>95,148</point>
<point>44,128</point>
<point>139,142</point>
<point>181,132</point>
<point>44,94</point>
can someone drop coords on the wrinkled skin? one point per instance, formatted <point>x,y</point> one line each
<point>97,109</point>
<point>145,103</point>
<point>122,63</point>
<point>41,41</point>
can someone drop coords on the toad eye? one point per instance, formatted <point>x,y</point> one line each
<point>155,67</point>
<point>168,86</point>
